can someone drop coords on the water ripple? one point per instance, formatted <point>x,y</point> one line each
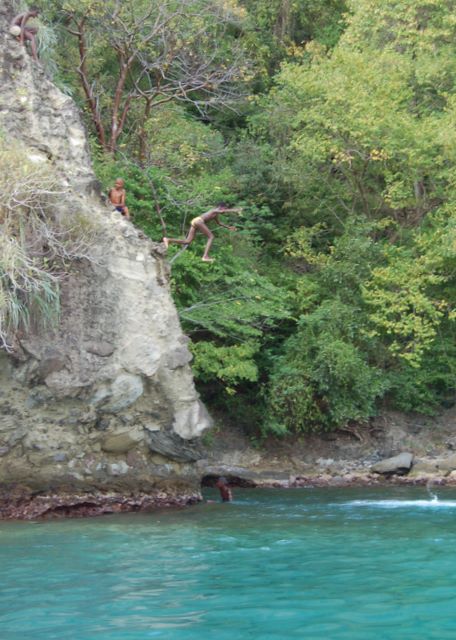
<point>275,565</point>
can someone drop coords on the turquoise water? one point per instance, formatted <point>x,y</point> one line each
<point>273,565</point>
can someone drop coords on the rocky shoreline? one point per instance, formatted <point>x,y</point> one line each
<point>392,451</point>
<point>51,506</point>
<point>264,480</point>
<point>19,505</point>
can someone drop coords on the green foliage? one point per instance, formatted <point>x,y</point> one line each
<point>323,379</point>
<point>127,59</point>
<point>227,298</point>
<point>429,387</point>
<point>186,172</point>
<point>284,25</point>
<point>336,294</point>
<point>231,365</point>
<point>402,311</point>
<point>228,310</point>
<point>363,148</point>
<point>181,143</point>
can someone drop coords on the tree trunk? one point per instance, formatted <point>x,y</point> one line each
<point>87,88</point>
<point>118,114</point>
<point>142,132</point>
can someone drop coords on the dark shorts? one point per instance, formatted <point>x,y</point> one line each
<point>120,209</point>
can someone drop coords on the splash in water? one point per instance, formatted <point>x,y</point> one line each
<point>402,504</point>
<point>432,495</point>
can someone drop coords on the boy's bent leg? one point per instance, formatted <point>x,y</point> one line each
<point>168,241</point>
<point>210,240</point>
<point>188,240</point>
<point>190,235</point>
<point>29,34</point>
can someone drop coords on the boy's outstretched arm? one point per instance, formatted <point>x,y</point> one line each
<point>225,226</point>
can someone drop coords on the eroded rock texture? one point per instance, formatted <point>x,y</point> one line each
<point>100,413</point>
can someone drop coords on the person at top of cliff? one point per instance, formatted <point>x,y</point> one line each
<point>117,197</point>
<point>225,492</point>
<point>23,32</point>
<point>200,224</point>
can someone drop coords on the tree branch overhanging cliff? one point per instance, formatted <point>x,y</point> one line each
<point>155,53</point>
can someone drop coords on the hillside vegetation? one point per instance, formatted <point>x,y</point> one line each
<point>333,125</point>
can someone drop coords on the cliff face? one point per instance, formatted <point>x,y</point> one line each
<point>99,413</point>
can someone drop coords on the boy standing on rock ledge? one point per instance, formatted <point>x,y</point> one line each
<point>20,29</point>
<point>117,197</point>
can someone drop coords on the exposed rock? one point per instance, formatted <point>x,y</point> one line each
<point>446,464</point>
<point>423,466</point>
<point>121,442</point>
<point>122,392</point>
<point>74,400</point>
<point>314,460</point>
<point>244,477</point>
<point>191,420</point>
<point>171,445</point>
<point>118,468</point>
<point>178,358</point>
<point>51,361</point>
<point>11,432</point>
<point>434,466</point>
<point>101,414</point>
<point>100,348</point>
<point>398,465</point>
<point>91,503</point>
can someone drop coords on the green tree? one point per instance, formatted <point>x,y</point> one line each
<point>130,58</point>
<point>367,156</point>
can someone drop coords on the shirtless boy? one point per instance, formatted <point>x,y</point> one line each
<point>117,198</point>
<point>200,224</point>
<point>27,33</point>
<point>225,491</point>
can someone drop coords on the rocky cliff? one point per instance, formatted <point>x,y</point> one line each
<point>100,413</point>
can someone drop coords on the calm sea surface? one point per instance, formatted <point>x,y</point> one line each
<point>305,563</point>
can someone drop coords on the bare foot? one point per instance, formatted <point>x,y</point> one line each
<point>208,259</point>
<point>165,242</point>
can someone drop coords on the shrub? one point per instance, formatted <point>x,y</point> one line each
<point>324,379</point>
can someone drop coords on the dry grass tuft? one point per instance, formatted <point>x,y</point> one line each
<point>40,237</point>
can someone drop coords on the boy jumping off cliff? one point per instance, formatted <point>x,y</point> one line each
<point>199,224</point>
<point>117,197</point>
<point>20,29</point>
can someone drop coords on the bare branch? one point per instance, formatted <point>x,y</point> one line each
<point>168,51</point>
